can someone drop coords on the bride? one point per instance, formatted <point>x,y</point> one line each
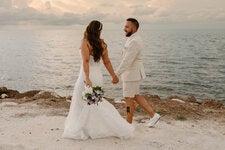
<point>94,121</point>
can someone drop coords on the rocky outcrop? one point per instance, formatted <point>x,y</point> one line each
<point>171,107</point>
<point>211,103</point>
<point>191,99</point>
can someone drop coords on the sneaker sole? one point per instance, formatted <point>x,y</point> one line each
<point>154,123</point>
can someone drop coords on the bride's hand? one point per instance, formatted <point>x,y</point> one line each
<point>115,79</point>
<point>88,82</point>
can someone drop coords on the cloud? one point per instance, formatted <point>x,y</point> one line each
<point>21,4</point>
<point>140,10</point>
<point>5,4</point>
<point>67,12</point>
<point>193,11</point>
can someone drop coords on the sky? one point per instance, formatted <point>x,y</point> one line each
<point>148,12</point>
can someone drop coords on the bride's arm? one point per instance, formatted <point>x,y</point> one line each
<point>108,65</point>
<point>85,58</point>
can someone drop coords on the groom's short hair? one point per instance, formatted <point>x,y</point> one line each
<point>134,21</point>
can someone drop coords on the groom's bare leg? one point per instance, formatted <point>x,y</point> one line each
<point>144,104</point>
<point>129,109</point>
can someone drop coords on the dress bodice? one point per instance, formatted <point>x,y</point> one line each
<point>92,61</point>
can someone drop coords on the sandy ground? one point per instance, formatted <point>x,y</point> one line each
<point>29,126</point>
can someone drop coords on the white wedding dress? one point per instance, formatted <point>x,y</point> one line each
<point>94,121</point>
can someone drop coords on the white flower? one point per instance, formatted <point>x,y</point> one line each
<point>98,92</point>
<point>84,97</point>
<point>88,89</point>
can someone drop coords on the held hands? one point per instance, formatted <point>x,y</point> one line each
<point>115,79</point>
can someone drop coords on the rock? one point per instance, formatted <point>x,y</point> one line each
<point>153,96</point>
<point>45,95</point>
<point>4,96</point>
<point>211,103</point>
<point>12,93</point>
<point>190,99</point>
<point>118,100</point>
<point>173,97</point>
<point>55,95</point>
<point>178,100</point>
<point>27,94</point>
<point>3,90</point>
<point>69,98</point>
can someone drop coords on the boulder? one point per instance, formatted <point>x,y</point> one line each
<point>211,103</point>
<point>27,94</point>
<point>3,90</point>
<point>174,97</point>
<point>45,95</point>
<point>12,93</point>
<point>190,99</point>
<point>4,96</point>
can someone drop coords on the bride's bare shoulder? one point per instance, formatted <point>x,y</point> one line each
<point>104,45</point>
<point>84,43</point>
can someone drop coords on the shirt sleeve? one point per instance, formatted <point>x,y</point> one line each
<point>128,59</point>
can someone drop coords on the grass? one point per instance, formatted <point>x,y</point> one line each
<point>181,118</point>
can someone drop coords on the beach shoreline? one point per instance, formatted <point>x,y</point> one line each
<point>35,120</point>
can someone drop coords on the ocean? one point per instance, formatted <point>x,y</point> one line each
<point>178,62</point>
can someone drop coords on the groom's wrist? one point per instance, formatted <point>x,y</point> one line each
<point>113,75</point>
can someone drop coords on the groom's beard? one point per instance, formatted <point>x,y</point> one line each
<point>128,34</point>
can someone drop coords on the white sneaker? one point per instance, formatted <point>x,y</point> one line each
<point>153,120</point>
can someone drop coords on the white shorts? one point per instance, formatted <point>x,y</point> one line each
<point>131,88</point>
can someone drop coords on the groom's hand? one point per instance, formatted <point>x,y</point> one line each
<point>115,79</point>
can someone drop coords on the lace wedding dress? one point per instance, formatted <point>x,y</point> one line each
<point>93,121</point>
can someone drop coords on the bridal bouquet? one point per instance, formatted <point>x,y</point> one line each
<point>92,95</point>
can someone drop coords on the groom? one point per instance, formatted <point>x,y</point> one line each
<point>132,72</point>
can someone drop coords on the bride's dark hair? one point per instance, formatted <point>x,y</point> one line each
<point>92,34</point>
